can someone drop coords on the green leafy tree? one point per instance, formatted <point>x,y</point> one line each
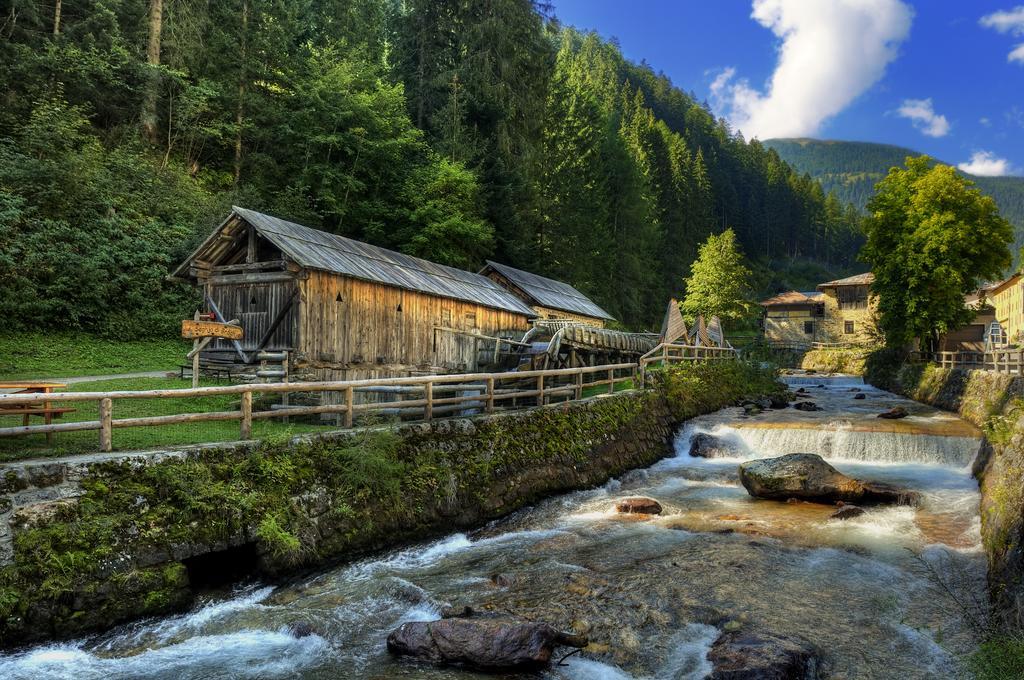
<point>931,239</point>
<point>719,282</point>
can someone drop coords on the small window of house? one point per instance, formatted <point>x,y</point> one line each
<point>809,327</point>
<point>848,327</point>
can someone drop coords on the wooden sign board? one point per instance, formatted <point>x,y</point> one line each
<point>194,330</point>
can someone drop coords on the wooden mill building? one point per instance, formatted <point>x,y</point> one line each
<point>549,299</point>
<point>346,310</point>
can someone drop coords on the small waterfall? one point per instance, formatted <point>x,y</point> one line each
<point>842,442</point>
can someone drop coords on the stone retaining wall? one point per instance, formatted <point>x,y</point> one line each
<point>89,541</point>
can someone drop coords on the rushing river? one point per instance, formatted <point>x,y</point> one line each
<point>894,593</point>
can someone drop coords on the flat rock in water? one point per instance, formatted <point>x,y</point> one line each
<point>639,505</point>
<point>740,655</point>
<point>488,644</point>
<point>894,413</point>
<point>806,406</point>
<point>860,395</point>
<point>808,477</point>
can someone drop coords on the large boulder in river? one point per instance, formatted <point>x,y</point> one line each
<point>489,644</point>
<point>638,504</point>
<point>704,445</point>
<point>808,477</point>
<point>740,655</point>
<point>806,406</point>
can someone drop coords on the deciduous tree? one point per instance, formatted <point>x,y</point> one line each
<point>932,238</point>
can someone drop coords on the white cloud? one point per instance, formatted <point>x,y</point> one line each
<point>922,114</point>
<point>1009,21</point>
<point>831,52</point>
<point>985,121</point>
<point>986,164</point>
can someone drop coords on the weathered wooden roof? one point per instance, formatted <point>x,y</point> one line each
<point>856,280</point>
<point>793,297</point>
<point>314,249</point>
<point>547,292</point>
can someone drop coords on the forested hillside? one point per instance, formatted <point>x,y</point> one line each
<point>851,169</point>
<point>451,130</point>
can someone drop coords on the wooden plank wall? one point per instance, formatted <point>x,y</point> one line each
<point>366,336</point>
<point>235,301</point>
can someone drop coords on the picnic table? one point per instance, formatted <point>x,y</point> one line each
<point>45,409</point>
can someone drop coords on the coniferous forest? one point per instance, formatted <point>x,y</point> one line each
<point>456,131</point>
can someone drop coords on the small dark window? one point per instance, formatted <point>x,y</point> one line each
<point>809,327</point>
<point>848,327</point>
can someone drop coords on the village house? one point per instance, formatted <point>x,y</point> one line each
<point>343,309</point>
<point>849,309</point>
<point>838,312</point>
<point>549,299</point>
<point>795,317</point>
<point>1007,299</point>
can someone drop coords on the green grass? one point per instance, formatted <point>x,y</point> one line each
<point>999,658</point>
<point>25,356</point>
<point>27,446</point>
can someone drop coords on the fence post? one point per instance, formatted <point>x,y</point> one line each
<point>106,427</point>
<point>428,392</point>
<point>540,390</point>
<point>246,428</point>
<point>579,385</point>
<point>611,381</point>
<point>490,395</point>
<point>349,406</point>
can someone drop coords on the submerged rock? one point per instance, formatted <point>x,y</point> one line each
<point>847,512</point>
<point>739,655</point>
<point>860,395</point>
<point>894,413</point>
<point>808,477</point>
<point>806,406</point>
<point>704,445</point>
<point>489,644</point>
<point>639,505</point>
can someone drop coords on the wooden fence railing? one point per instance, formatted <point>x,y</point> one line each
<point>668,353</point>
<point>430,396</point>
<point>1000,360</point>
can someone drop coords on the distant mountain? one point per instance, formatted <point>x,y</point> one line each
<point>851,169</point>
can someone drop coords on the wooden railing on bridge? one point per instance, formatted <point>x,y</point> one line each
<point>669,353</point>
<point>1009,361</point>
<point>432,395</point>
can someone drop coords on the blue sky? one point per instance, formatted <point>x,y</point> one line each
<point>944,77</point>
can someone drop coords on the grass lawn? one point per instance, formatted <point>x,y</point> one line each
<point>26,356</point>
<point>29,446</point>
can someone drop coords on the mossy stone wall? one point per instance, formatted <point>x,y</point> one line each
<point>993,402</point>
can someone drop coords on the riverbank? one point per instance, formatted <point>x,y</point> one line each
<point>995,403</point>
<point>91,542</point>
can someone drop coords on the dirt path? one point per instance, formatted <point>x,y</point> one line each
<point>93,378</point>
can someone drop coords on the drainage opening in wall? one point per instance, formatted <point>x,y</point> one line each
<point>222,567</point>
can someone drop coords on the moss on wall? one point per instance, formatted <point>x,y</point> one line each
<point>836,360</point>
<point>123,546</point>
